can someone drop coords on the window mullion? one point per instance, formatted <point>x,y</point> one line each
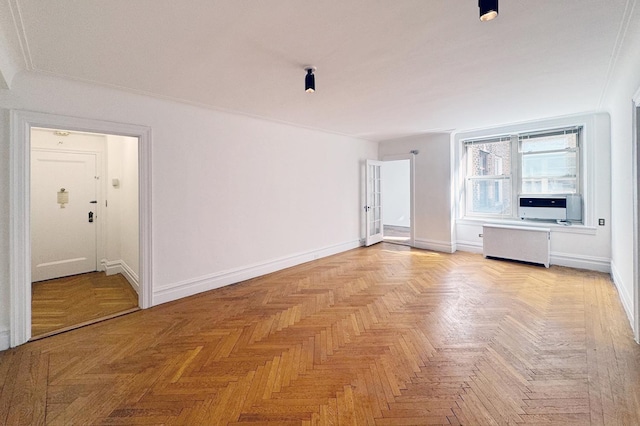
<point>516,171</point>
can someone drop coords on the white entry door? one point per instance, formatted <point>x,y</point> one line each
<point>374,202</point>
<point>63,214</point>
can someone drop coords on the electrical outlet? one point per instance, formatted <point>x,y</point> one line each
<point>601,222</point>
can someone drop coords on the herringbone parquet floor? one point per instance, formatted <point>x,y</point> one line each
<point>384,335</point>
<point>65,303</point>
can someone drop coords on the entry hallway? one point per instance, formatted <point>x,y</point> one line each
<point>384,335</point>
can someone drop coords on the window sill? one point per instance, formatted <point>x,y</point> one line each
<point>567,229</point>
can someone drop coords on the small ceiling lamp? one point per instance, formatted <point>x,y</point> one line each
<point>488,9</point>
<point>310,80</point>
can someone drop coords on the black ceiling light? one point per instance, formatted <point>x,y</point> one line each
<point>310,80</point>
<point>488,9</point>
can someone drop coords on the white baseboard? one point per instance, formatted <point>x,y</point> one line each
<point>5,340</point>
<point>441,246</point>
<point>181,289</point>
<point>625,297</point>
<point>591,263</point>
<point>112,267</point>
<point>469,246</point>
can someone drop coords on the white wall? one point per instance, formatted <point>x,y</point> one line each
<point>396,193</point>
<point>122,210</point>
<point>588,246</point>
<point>230,193</point>
<point>624,83</point>
<point>432,224</point>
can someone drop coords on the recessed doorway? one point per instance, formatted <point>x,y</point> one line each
<point>397,204</point>
<point>20,265</point>
<point>84,228</point>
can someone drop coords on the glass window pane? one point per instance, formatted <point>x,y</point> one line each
<point>489,196</point>
<point>550,186</point>
<point>549,164</point>
<point>550,173</point>
<point>549,143</point>
<point>489,159</point>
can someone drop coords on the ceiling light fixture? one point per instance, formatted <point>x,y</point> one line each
<point>488,9</point>
<point>310,80</point>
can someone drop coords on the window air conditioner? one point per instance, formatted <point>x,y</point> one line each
<point>551,207</point>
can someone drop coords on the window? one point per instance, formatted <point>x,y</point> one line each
<point>488,185</point>
<point>549,163</point>
<point>500,168</point>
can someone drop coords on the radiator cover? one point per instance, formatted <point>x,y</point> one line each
<point>522,243</point>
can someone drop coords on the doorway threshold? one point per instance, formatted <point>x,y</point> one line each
<point>83,324</point>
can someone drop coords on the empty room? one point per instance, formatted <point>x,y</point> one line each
<point>297,212</point>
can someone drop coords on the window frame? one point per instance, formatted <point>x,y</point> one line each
<point>516,167</point>
<point>577,130</point>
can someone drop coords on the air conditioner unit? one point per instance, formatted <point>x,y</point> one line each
<point>551,207</point>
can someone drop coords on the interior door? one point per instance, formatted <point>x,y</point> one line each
<point>63,214</point>
<point>374,202</point>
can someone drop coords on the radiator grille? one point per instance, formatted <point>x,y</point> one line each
<point>516,243</point>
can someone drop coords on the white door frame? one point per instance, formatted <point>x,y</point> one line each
<point>636,215</point>
<point>412,159</point>
<point>19,208</point>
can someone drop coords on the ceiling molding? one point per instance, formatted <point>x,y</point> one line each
<point>617,49</point>
<point>21,34</point>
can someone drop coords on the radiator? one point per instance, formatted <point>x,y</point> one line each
<point>516,243</point>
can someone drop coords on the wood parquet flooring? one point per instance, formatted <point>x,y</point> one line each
<point>384,335</point>
<point>64,303</point>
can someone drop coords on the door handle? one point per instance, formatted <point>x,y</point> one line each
<point>90,217</point>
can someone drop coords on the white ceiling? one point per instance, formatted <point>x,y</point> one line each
<point>386,68</point>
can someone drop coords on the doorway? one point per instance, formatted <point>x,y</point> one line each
<point>75,233</point>
<point>139,267</point>
<point>397,206</point>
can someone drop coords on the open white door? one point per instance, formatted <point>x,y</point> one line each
<point>63,214</point>
<point>374,202</point>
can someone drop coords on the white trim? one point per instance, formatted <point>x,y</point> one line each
<point>112,267</point>
<point>635,172</point>
<point>636,97</point>
<point>566,229</point>
<point>19,237</point>
<point>174,291</point>
<point>4,340</point>
<point>592,263</point>
<point>469,246</point>
<point>435,245</point>
<point>625,298</point>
